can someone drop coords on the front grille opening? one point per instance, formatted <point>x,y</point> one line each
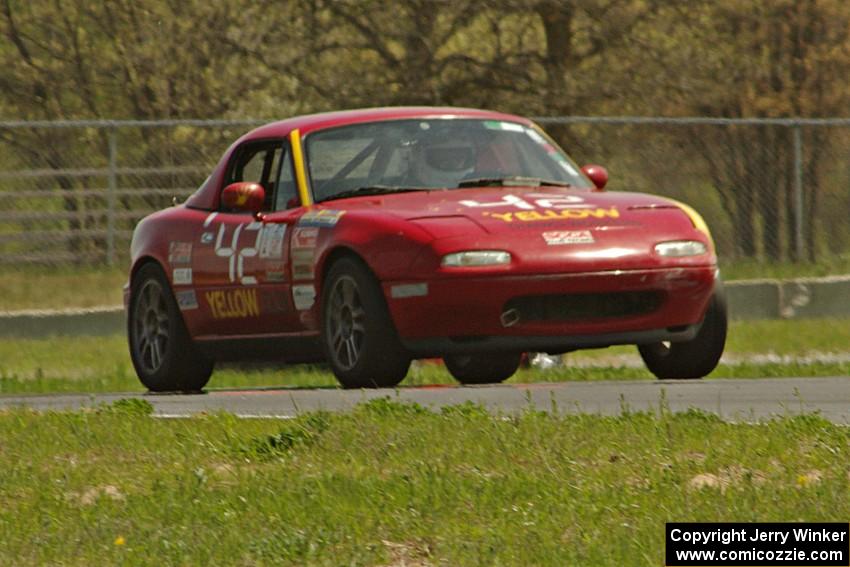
<point>585,306</point>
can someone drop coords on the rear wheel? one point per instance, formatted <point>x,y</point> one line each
<point>695,358</point>
<point>487,368</point>
<point>358,335</point>
<point>163,354</point>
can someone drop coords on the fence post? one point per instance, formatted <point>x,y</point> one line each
<point>111,196</point>
<point>798,192</point>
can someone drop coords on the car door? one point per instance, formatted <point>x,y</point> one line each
<point>240,273</point>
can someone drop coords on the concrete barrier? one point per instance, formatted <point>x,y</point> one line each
<point>748,299</point>
<point>754,299</point>
<point>816,297</point>
<point>34,324</point>
<point>798,298</point>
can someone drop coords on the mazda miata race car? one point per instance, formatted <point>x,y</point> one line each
<point>370,238</point>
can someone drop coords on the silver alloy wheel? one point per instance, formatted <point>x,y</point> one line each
<point>346,319</point>
<point>150,325</point>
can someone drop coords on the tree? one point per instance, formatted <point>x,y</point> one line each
<point>763,59</point>
<point>73,59</point>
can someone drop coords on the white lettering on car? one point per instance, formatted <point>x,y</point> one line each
<point>223,252</point>
<point>507,201</point>
<point>543,201</point>
<point>565,202</point>
<point>209,219</point>
<point>248,252</point>
<point>236,256</point>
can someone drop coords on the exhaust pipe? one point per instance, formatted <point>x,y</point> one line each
<point>510,317</point>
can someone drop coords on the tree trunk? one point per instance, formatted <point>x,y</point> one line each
<point>557,20</point>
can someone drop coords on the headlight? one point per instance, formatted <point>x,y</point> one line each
<point>680,248</point>
<point>476,258</point>
<point>696,219</point>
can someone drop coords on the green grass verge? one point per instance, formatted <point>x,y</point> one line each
<point>754,269</point>
<point>61,288</point>
<point>102,364</point>
<point>392,484</point>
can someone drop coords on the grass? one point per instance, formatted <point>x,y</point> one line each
<point>393,484</point>
<point>102,364</point>
<point>61,288</point>
<point>756,269</point>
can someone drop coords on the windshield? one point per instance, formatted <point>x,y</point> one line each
<point>440,153</point>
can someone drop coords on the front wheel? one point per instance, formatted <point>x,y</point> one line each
<point>358,335</point>
<point>695,358</point>
<point>163,354</point>
<point>489,368</point>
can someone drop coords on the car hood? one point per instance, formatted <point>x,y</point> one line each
<point>546,229</point>
<point>501,210</point>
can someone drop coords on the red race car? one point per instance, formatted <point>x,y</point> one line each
<point>369,238</point>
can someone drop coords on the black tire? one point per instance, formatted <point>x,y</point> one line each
<point>695,358</point>
<point>488,368</point>
<point>164,355</point>
<point>360,341</point>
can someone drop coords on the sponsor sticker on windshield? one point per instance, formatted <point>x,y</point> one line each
<point>535,136</point>
<point>561,237</point>
<point>498,125</point>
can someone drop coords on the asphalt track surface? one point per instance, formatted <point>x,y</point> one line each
<point>732,399</point>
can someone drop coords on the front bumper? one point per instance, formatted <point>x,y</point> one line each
<point>460,314</point>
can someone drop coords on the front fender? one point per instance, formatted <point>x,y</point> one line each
<point>389,245</point>
<point>147,244</point>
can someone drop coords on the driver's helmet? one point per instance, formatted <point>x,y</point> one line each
<point>443,161</point>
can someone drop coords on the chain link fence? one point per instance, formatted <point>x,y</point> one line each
<point>770,189</point>
<point>775,189</point>
<point>71,192</point>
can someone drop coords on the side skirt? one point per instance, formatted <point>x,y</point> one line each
<point>273,348</point>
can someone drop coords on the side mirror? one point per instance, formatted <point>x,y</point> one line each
<point>597,174</point>
<point>244,196</point>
